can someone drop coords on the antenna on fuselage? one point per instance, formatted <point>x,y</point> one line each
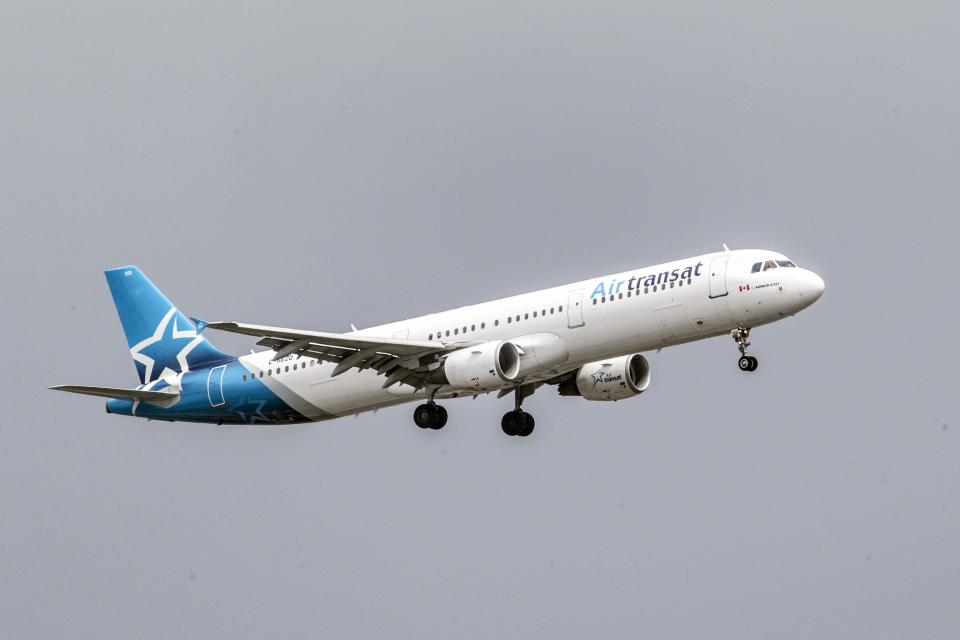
<point>725,247</point>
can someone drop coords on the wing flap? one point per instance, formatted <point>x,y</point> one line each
<point>403,361</point>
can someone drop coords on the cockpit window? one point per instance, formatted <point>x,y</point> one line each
<point>785,263</point>
<point>769,264</point>
<point>756,267</point>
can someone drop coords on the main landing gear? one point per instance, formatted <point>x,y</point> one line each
<point>746,363</point>
<point>517,422</point>
<point>430,415</point>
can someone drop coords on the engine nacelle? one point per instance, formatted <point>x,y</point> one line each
<point>540,352</point>
<point>490,365</point>
<point>615,379</point>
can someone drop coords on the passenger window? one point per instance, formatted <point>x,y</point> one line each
<point>430,337</point>
<point>646,289</point>
<point>534,314</point>
<point>526,316</point>
<point>269,372</point>
<point>620,296</point>
<point>603,299</point>
<point>483,325</point>
<point>287,369</point>
<point>294,367</point>
<point>518,317</point>
<point>756,267</point>
<point>551,310</point>
<point>464,330</point>
<point>560,308</point>
<point>509,319</point>
<point>473,327</point>
<point>448,332</point>
<point>244,377</point>
<point>456,331</point>
<point>261,374</point>
<point>543,312</point>
<point>496,322</point>
<point>594,301</point>
<point>671,285</point>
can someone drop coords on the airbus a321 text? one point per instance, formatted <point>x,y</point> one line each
<point>585,338</point>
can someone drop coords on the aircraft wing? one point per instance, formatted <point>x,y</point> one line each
<point>401,360</point>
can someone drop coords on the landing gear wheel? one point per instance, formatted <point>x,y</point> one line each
<point>528,424</point>
<point>513,423</point>
<point>441,418</point>
<point>426,415</point>
<point>753,363</point>
<point>745,363</point>
<point>517,423</point>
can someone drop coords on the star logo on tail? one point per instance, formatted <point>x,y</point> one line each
<point>160,335</point>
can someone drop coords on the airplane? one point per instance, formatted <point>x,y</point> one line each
<point>586,338</point>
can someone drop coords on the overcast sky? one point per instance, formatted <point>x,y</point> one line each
<point>313,165</point>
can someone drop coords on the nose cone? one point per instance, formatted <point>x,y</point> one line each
<point>811,288</point>
<point>816,285</point>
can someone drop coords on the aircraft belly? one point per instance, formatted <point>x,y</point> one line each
<point>352,391</point>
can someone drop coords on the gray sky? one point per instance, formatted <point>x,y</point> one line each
<point>311,166</point>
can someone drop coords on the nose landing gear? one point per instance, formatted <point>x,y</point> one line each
<point>746,363</point>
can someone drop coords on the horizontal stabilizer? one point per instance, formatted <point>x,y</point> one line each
<point>126,394</point>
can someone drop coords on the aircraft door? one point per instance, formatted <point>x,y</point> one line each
<point>718,277</point>
<point>575,309</point>
<point>215,386</point>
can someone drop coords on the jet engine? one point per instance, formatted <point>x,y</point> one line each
<point>614,379</point>
<point>490,365</point>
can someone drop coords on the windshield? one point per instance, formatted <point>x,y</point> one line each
<point>771,264</point>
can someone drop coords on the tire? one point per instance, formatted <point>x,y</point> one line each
<point>745,363</point>
<point>754,363</point>
<point>528,424</point>
<point>425,416</point>
<point>506,423</point>
<point>441,418</point>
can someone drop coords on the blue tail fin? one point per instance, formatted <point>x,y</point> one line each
<point>162,340</point>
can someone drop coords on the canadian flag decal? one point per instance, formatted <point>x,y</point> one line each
<point>744,287</point>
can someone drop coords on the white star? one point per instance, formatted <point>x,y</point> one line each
<point>136,351</point>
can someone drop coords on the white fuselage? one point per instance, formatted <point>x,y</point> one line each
<point>604,317</point>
